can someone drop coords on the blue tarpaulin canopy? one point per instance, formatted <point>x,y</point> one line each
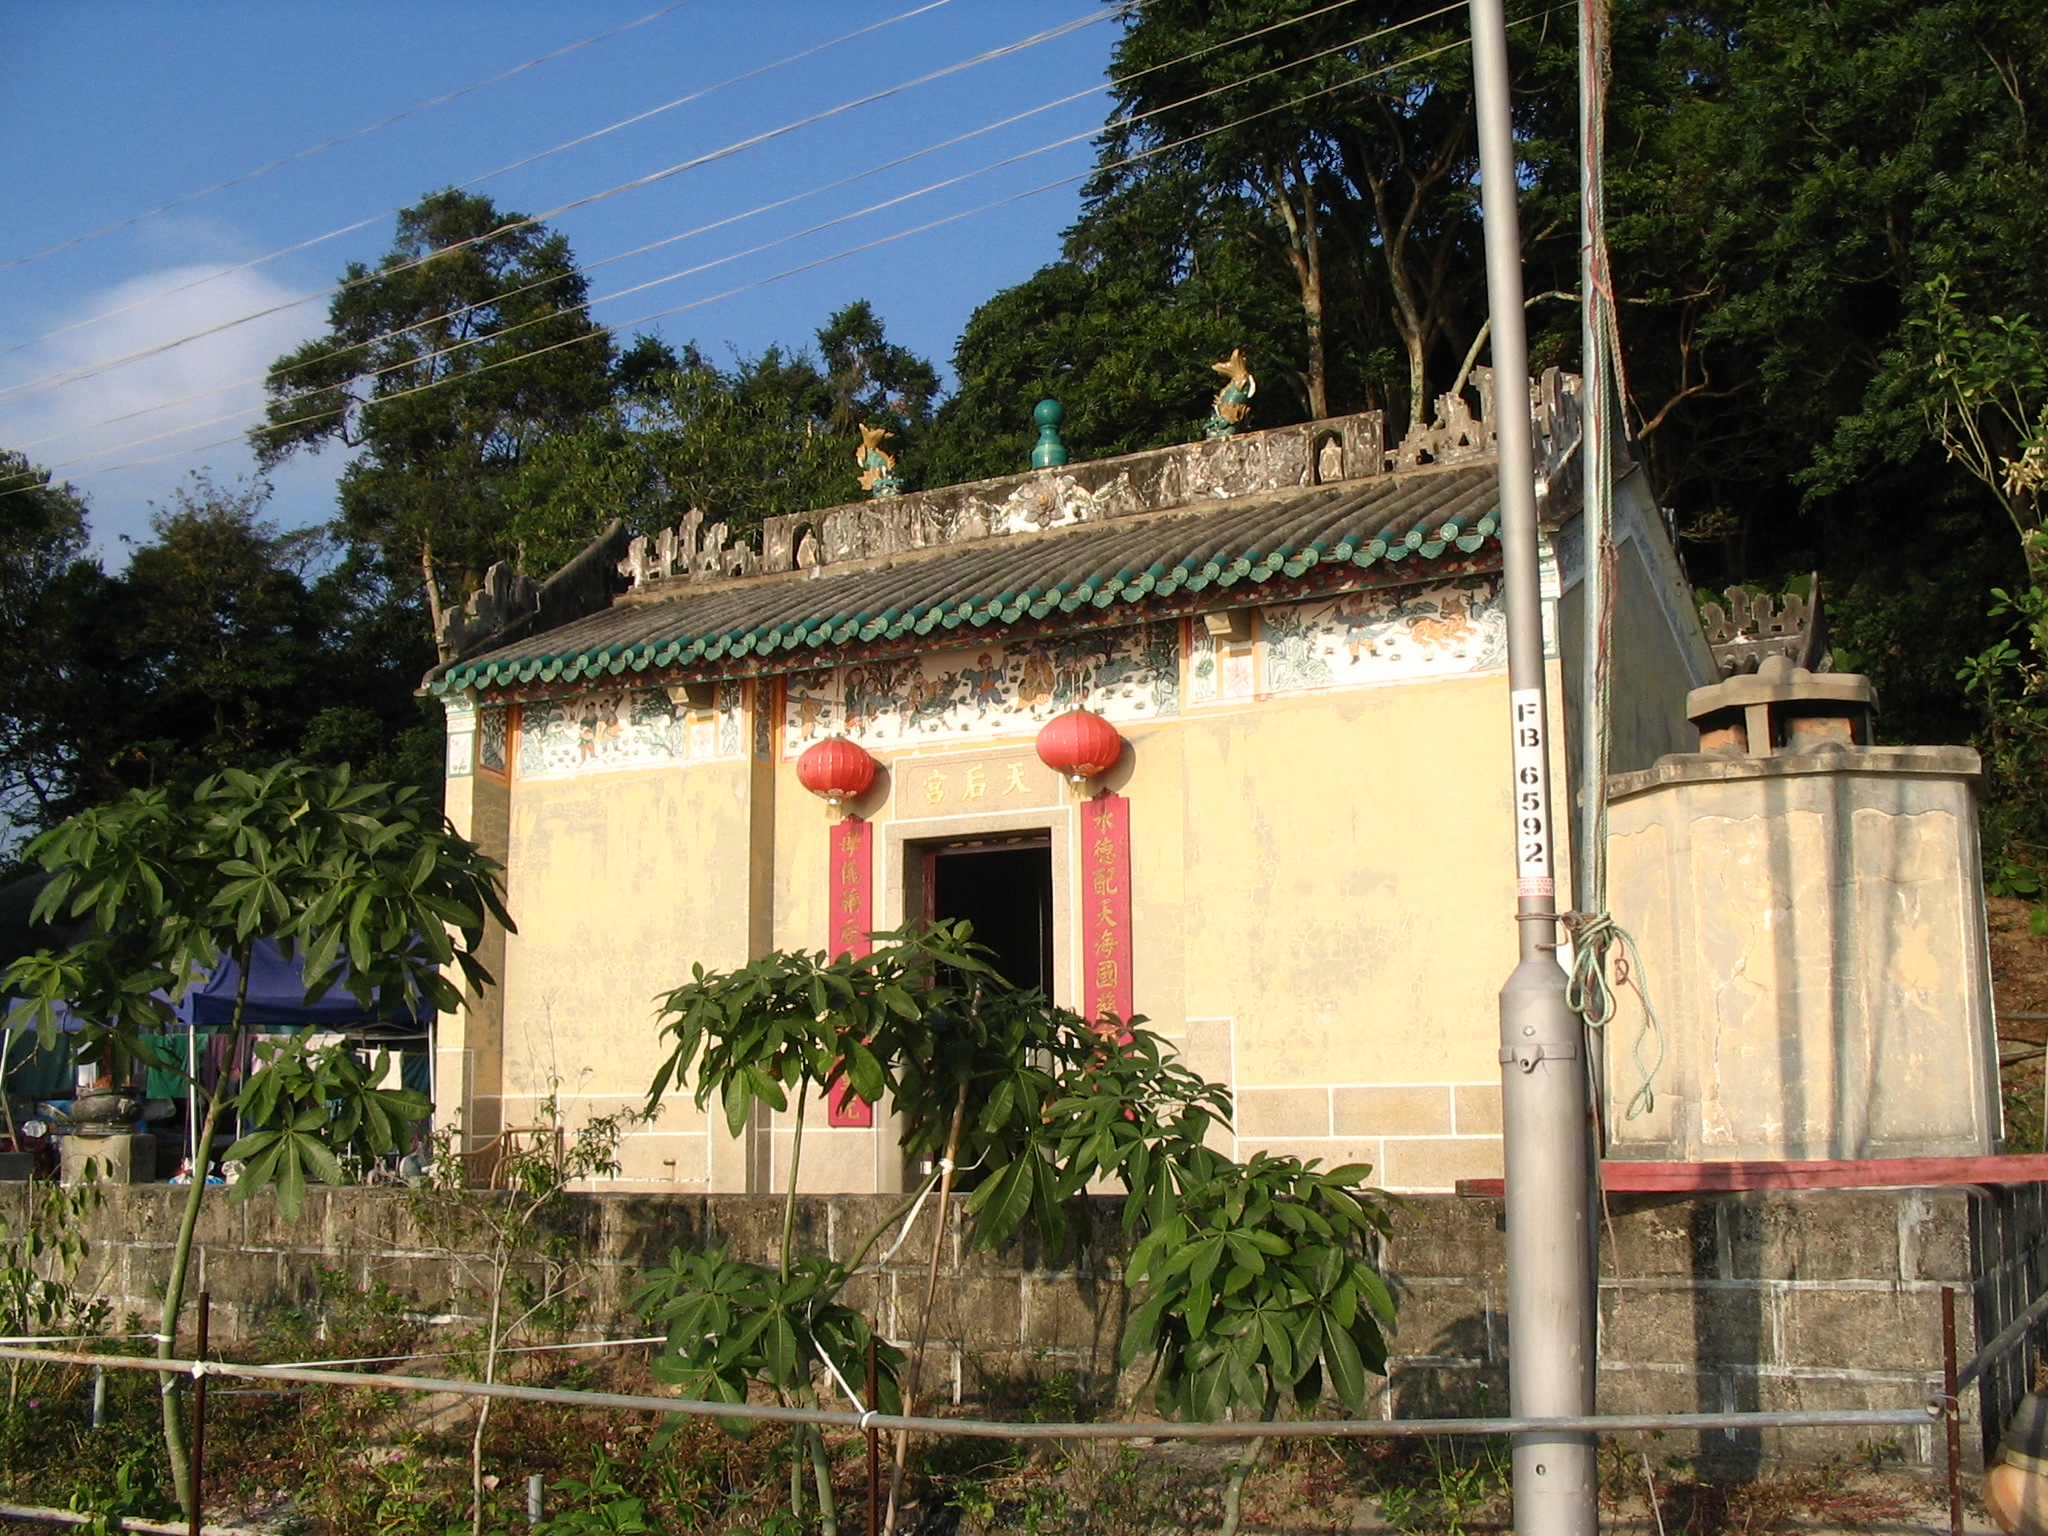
<point>277,999</point>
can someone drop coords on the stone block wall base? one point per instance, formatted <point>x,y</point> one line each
<point>125,1159</point>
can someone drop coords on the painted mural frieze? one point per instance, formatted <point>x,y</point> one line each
<point>638,728</point>
<point>984,691</point>
<point>491,731</point>
<point>1382,636</point>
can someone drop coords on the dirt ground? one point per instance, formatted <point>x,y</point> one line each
<point>2019,987</point>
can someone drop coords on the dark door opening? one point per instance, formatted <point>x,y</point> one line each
<point>1004,888</point>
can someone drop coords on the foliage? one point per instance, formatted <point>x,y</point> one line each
<point>1256,1287</point>
<point>468,343</point>
<point>1255,1280</point>
<point>42,541</point>
<point>730,1323</point>
<point>366,881</point>
<point>40,1255</point>
<point>768,436</point>
<point>307,1110</point>
<point>132,1491</point>
<point>2009,685</point>
<point>223,643</point>
<point>506,1243</point>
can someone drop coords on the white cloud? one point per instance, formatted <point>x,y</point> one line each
<point>182,409</point>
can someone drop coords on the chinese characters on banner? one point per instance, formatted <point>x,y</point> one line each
<point>852,868</point>
<point>1106,907</point>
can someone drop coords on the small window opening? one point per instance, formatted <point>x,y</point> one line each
<point>1004,888</point>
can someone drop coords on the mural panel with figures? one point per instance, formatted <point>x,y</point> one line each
<point>1381,636</point>
<point>638,728</point>
<point>999,689</point>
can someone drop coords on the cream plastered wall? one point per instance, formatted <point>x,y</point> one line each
<point>1322,893</point>
<point>618,883</point>
<point>1812,939</point>
<point>1312,880</point>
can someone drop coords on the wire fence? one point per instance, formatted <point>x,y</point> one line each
<point>1944,1408</point>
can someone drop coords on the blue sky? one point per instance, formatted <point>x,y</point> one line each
<point>110,110</point>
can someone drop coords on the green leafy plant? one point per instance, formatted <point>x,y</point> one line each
<point>365,883</point>
<point>1255,1280</point>
<point>306,1109</point>
<point>40,1254</point>
<point>2008,682</point>
<point>1254,1288</point>
<point>111,1501</point>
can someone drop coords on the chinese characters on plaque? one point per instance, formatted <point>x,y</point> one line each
<point>963,785</point>
<point>851,871</point>
<point>1105,897</point>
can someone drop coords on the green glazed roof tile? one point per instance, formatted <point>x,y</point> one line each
<point>1129,561</point>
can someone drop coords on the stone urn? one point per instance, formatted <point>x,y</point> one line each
<point>2016,1482</point>
<point>104,1112</point>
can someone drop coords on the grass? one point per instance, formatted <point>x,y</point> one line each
<point>361,1462</point>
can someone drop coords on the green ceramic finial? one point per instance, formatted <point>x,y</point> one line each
<point>1050,452</point>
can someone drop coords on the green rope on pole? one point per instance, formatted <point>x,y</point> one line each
<point>1593,993</point>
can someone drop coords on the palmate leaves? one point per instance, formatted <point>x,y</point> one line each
<point>1253,1281</point>
<point>303,1105</point>
<point>1257,1285</point>
<point>365,882</point>
<point>731,1323</point>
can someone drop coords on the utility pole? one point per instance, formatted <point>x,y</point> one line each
<point>1543,1067</point>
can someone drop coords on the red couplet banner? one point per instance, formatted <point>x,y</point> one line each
<point>851,871</point>
<point>1106,906</point>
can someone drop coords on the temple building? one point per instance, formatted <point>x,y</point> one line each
<point>1296,862</point>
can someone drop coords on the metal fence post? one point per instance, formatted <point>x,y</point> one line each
<point>1953,1410</point>
<point>199,1414</point>
<point>874,1445</point>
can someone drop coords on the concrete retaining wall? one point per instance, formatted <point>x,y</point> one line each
<point>1820,1299</point>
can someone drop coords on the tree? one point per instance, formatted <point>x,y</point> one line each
<point>1257,1279</point>
<point>470,342</point>
<point>769,435</point>
<point>42,545</point>
<point>365,883</point>
<point>1786,175</point>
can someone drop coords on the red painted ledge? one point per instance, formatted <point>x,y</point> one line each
<point>1619,1178</point>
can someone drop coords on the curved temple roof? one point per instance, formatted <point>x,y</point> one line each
<point>1132,562</point>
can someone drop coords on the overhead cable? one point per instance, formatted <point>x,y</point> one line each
<point>346,229</point>
<point>302,154</point>
<point>738,146</point>
<point>467,342</point>
<point>786,272</point>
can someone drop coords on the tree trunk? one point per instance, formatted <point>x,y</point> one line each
<point>175,1448</point>
<point>429,580</point>
<point>1305,255</point>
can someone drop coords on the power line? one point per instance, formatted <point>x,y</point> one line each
<point>90,370</point>
<point>589,267</point>
<point>802,266</point>
<point>348,229</point>
<point>297,155</point>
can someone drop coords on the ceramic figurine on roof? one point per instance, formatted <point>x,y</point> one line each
<point>1051,451</point>
<point>877,469</point>
<point>1233,401</point>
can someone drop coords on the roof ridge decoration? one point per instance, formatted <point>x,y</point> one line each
<point>1258,508</point>
<point>1319,452</point>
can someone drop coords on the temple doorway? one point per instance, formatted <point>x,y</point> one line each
<point>1003,886</point>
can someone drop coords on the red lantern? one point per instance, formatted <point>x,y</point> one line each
<point>1080,744</point>
<point>835,768</point>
